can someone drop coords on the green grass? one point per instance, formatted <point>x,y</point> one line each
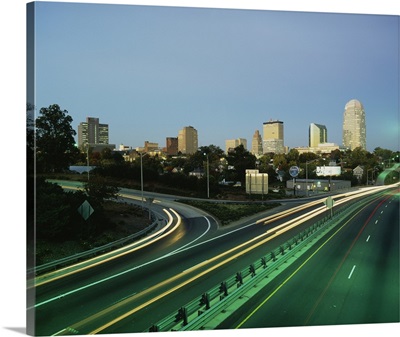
<point>227,213</point>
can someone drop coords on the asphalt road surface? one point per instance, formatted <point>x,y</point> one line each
<point>351,277</point>
<point>131,293</point>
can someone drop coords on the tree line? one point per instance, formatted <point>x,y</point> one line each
<point>54,150</point>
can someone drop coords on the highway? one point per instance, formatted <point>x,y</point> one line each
<point>137,289</point>
<point>350,277</point>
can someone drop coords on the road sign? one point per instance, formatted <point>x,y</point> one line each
<point>86,210</point>
<point>329,202</point>
<point>294,171</point>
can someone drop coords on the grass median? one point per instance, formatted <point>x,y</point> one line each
<point>227,213</point>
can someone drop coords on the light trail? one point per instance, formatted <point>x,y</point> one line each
<point>265,237</point>
<point>190,243</point>
<point>304,263</point>
<point>105,279</point>
<point>285,227</point>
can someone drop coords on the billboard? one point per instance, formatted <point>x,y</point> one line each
<point>328,170</point>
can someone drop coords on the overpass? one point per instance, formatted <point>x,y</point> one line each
<point>391,173</point>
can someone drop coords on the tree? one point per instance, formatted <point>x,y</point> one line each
<point>55,144</point>
<point>293,156</point>
<point>241,159</point>
<point>99,189</point>
<point>359,156</point>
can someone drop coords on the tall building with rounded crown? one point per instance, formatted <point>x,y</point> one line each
<point>354,126</point>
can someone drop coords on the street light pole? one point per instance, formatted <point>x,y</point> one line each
<point>208,177</point>
<point>87,156</point>
<point>141,175</point>
<point>306,178</point>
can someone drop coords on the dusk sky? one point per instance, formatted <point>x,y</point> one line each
<point>148,71</point>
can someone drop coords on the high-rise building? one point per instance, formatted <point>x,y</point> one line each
<point>172,146</point>
<point>317,134</point>
<point>150,146</point>
<point>188,140</point>
<point>354,126</point>
<point>92,132</point>
<point>273,137</point>
<point>231,144</point>
<point>256,144</point>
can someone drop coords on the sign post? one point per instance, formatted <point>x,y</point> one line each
<point>329,202</point>
<point>294,172</point>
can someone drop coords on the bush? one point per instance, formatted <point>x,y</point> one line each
<point>227,213</point>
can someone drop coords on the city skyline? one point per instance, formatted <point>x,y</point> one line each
<point>322,137</point>
<point>149,71</point>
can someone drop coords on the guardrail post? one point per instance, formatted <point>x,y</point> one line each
<point>282,250</point>
<point>264,262</point>
<point>223,288</point>
<point>154,328</point>
<point>205,300</point>
<point>252,270</point>
<point>239,278</point>
<point>273,256</point>
<point>182,315</point>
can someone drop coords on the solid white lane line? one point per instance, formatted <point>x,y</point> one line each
<point>190,243</point>
<point>351,273</point>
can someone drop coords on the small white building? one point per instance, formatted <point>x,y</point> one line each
<point>256,182</point>
<point>358,172</point>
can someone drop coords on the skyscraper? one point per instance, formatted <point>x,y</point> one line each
<point>317,134</point>
<point>92,132</point>
<point>256,144</point>
<point>188,140</point>
<point>354,126</point>
<point>231,144</point>
<point>273,137</point>
<point>172,146</point>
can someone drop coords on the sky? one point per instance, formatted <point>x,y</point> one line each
<point>149,71</point>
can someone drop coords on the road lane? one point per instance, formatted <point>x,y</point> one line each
<point>59,315</point>
<point>140,280</point>
<point>353,279</point>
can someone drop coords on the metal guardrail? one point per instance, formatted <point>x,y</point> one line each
<point>210,301</point>
<point>193,315</point>
<point>53,265</point>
